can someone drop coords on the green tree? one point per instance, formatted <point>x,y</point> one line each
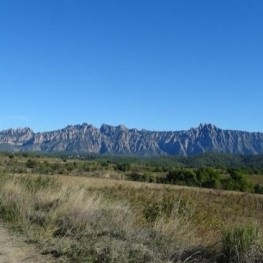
<point>208,177</point>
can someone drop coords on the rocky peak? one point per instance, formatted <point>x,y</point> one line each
<point>16,136</point>
<point>106,129</point>
<point>122,127</point>
<point>85,138</point>
<point>18,131</point>
<point>207,127</point>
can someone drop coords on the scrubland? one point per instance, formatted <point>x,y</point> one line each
<point>85,219</point>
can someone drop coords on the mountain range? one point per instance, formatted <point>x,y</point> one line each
<point>87,139</point>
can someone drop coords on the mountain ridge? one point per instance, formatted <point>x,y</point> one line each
<point>86,138</point>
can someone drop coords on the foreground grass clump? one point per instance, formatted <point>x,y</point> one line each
<point>239,243</point>
<point>75,224</point>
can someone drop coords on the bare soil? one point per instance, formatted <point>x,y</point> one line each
<point>14,249</point>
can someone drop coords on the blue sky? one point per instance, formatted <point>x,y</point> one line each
<point>158,65</point>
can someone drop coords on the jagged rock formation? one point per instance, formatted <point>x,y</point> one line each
<point>85,138</point>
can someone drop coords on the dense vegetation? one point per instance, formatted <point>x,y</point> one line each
<point>228,172</point>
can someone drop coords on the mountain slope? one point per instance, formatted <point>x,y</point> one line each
<point>86,138</point>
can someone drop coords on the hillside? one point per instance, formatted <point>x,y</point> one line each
<point>85,139</point>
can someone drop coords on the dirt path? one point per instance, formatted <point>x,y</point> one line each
<point>14,249</point>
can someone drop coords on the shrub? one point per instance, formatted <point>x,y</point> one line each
<point>238,243</point>
<point>208,177</point>
<point>124,167</point>
<point>258,189</point>
<point>237,181</point>
<point>134,176</point>
<point>31,163</point>
<point>180,176</point>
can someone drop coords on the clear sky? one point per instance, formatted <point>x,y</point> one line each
<point>153,64</point>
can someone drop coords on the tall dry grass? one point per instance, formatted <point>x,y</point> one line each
<point>77,224</point>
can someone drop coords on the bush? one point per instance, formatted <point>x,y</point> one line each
<point>208,177</point>
<point>124,167</point>
<point>134,176</point>
<point>181,176</point>
<point>238,243</point>
<point>237,181</point>
<point>258,189</point>
<point>31,163</point>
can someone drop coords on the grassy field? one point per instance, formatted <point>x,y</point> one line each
<point>79,219</point>
<point>96,215</point>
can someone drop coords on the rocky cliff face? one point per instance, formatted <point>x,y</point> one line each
<point>121,140</point>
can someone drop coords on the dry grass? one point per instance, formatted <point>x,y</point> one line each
<point>78,219</point>
<point>256,179</point>
<point>213,209</point>
<point>76,224</point>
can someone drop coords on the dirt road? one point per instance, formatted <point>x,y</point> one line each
<point>14,249</point>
